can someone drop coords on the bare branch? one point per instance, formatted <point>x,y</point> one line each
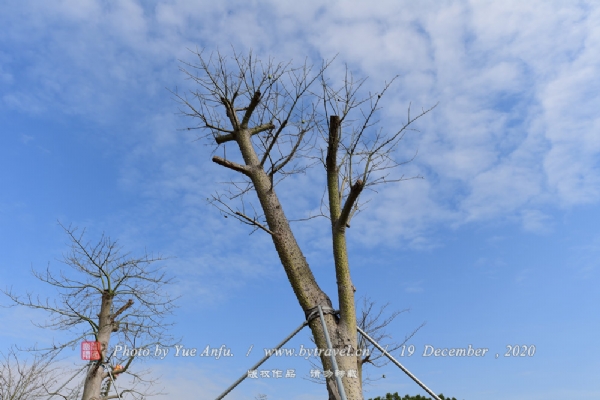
<point>253,103</point>
<point>253,222</point>
<point>227,210</point>
<point>355,191</point>
<point>122,309</point>
<point>36,378</point>
<point>231,165</point>
<point>254,131</point>
<point>374,323</point>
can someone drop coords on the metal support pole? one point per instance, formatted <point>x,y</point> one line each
<point>107,367</point>
<point>255,366</point>
<point>338,379</point>
<point>388,355</point>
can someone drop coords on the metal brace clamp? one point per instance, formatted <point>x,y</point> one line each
<point>314,312</point>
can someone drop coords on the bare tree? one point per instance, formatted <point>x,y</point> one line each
<point>23,380</point>
<point>40,377</point>
<point>374,323</point>
<point>270,113</point>
<point>106,294</point>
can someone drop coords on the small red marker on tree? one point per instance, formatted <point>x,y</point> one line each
<point>91,350</point>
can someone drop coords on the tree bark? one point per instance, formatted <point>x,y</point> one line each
<point>347,324</point>
<point>96,374</point>
<point>342,330</point>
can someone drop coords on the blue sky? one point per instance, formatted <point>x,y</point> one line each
<point>498,244</point>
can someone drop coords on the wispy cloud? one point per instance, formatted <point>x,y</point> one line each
<point>514,140</point>
<point>515,128</point>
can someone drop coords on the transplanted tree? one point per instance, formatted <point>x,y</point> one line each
<point>106,295</point>
<point>271,114</point>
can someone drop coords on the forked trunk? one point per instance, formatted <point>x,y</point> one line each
<point>308,292</point>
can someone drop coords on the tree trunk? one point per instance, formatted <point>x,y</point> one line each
<point>342,331</point>
<point>96,374</point>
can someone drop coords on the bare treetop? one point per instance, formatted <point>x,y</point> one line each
<point>283,119</point>
<point>286,109</point>
<point>271,100</point>
<point>102,268</point>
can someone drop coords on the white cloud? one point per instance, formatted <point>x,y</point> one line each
<point>515,136</point>
<point>414,287</point>
<point>516,127</point>
<point>536,221</point>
